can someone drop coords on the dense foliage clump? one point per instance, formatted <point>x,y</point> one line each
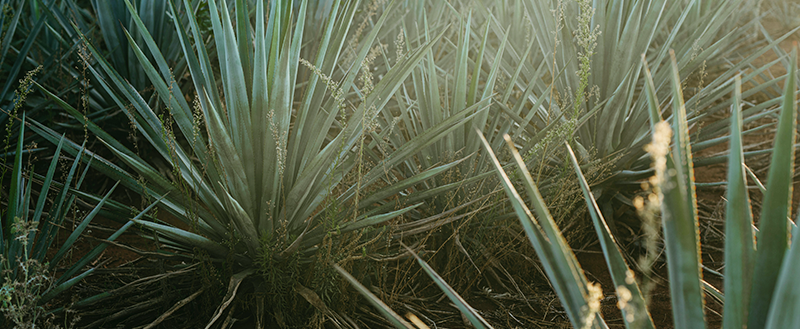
<point>277,163</point>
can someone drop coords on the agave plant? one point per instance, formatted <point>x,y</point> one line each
<point>260,188</point>
<point>759,290</point>
<point>28,231</point>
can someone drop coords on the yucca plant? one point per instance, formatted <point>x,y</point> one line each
<point>113,19</point>
<point>43,35</point>
<point>602,67</point>
<point>41,42</point>
<point>455,78</point>
<point>783,11</point>
<point>36,34</point>
<point>23,34</point>
<point>752,273</point>
<point>759,290</point>
<point>29,230</point>
<point>457,74</point>
<point>274,172</point>
<point>568,59</point>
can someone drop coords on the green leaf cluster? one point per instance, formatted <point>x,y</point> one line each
<point>29,229</point>
<point>760,262</point>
